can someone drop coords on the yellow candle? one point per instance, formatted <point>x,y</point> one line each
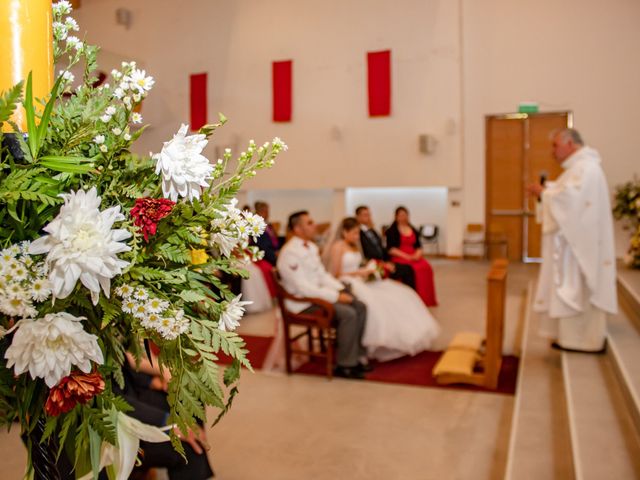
<point>26,45</point>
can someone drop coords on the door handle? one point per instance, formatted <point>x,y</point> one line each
<point>510,213</point>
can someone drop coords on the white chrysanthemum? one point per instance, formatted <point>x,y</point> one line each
<point>153,321</point>
<point>140,294</point>
<point>62,7</point>
<point>140,310</point>
<point>98,139</point>
<point>230,318</point>
<point>156,305</point>
<point>16,305</point>
<point>129,305</point>
<point>171,328</point>
<point>136,117</point>
<point>48,347</point>
<point>124,291</point>
<point>6,255</point>
<point>40,289</point>
<point>118,93</point>
<point>139,81</point>
<point>20,273</point>
<point>82,245</point>
<point>184,169</point>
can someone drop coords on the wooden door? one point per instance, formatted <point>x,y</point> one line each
<point>538,161</point>
<point>518,151</point>
<point>505,154</point>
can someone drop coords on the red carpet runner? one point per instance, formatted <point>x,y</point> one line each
<point>406,370</point>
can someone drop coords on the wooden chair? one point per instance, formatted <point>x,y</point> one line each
<point>497,238</point>
<point>469,358</point>
<point>474,240</point>
<point>317,327</point>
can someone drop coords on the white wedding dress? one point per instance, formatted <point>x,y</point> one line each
<point>398,322</point>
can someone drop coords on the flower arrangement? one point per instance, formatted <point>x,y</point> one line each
<point>104,252</point>
<point>378,268</point>
<point>627,208</point>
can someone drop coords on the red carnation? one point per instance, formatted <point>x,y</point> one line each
<point>147,212</point>
<point>73,389</point>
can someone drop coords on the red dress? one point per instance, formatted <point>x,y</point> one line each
<point>425,286</point>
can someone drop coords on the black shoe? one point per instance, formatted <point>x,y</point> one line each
<point>557,346</point>
<point>353,373</point>
<point>365,367</point>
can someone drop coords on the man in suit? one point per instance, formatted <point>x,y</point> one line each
<point>372,248</point>
<point>268,241</point>
<point>304,275</point>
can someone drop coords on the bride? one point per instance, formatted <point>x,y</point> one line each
<point>398,323</point>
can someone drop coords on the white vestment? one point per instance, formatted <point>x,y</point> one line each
<point>577,282</point>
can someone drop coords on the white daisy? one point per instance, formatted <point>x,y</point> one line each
<point>138,80</point>
<point>233,312</point>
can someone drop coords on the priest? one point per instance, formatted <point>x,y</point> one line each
<point>577,282</point>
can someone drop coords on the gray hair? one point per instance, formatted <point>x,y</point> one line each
<point>567,134</point>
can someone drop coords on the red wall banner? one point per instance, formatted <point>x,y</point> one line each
<point>379,83</point>
<point>282,84</point>
<point>198,100</point>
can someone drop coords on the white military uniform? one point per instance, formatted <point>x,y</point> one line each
<point>304,275</point>
<point>577,282</point>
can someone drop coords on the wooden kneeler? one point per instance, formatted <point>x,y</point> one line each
<point>469,358</point>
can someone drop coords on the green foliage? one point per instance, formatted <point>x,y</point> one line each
<point>9,102</point>
<point>626,207</point>
<point>71,144</point>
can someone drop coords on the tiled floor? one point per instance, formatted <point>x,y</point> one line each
<point>284,427</point>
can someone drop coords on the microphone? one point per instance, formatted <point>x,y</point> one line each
<point>543,179</point>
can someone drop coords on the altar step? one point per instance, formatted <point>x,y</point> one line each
<point>577,416</point>
<point>540,444</point>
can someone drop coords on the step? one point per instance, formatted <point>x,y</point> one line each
<point>623,348</point>
<point>540,445</point>
<point>603,436</point>
<point>629,293</point>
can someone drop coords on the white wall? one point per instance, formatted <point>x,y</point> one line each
<point>453,62</point>
<point>333,143</point>
<point>425,205</point>
<point>579,55</point>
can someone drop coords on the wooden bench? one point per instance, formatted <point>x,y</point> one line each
<point>470,358</point>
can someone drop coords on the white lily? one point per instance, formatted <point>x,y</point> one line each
<point>129,433</point>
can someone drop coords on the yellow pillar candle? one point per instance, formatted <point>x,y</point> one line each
<point>26,45</point>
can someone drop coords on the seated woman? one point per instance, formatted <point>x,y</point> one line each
<point>398,323</point>
<point>403,245</point>
<point>257,289</point>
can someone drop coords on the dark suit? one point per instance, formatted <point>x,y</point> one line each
<point>372,248</point>
<point>268,243</point>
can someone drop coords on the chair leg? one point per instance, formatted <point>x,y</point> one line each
<point>287,348</point>
<point>321,338</point>
<point>329,357</point>
<point>310,339</point>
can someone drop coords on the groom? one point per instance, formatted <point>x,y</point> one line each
<point>372,248</point>
<point>304,275</point>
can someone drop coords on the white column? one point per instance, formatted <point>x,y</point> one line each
<point>455,223</point>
